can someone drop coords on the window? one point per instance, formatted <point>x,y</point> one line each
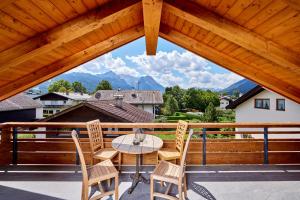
<point>262,103</point>
<point>280,104</point>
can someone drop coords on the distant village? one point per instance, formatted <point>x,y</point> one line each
<point>61,104</point>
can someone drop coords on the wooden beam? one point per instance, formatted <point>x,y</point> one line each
<point>67,63</point>
<point>4,3</point>
<point>233,32</point>
<point>152,15</point>
<point>251,72</point>
<point>295,4</point>
<point>69,31</point>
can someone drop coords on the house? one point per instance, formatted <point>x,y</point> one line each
<point>104,110</point>
<point>263,105</point>
<point>147,100</point>
<point>54,102</point>
<point>224,101</point>
<point>20,108</point>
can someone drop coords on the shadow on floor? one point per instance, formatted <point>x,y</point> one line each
<point>18,194</point>
<point>202,191</point>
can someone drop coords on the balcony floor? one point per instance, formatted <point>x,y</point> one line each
<point>209,182</point>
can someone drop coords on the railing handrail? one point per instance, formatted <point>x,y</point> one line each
<point>152,125</point>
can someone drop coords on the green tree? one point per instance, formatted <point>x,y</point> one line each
<point>103,85</point>
<point>192,99</point>
<point>171,106</point>
<point>59,85</point>
<point>78,87</point>
<point>177,93</point>
<point>210,114</point>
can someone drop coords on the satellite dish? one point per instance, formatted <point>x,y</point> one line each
<point>98,95</point>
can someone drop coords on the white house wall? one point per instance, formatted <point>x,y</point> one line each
<point>246,112</point>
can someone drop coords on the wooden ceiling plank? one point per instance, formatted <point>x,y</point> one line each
<point>72,30</point>
<point>51,10</point>
<point>234,33</point>
<point>34,11</point>
<point>152,17</point>
<point>230,63</point>
<point>15,24</point>
<point>4,3</point>
<point>295,4</point>
<point>67,63</point>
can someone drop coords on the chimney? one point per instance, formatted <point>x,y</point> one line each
<point>118,100</point>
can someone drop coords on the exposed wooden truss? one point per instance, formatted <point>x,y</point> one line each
<point>251,72</point>
<point>233,32</point>
<point>259,40</point>
<point>72,61</point>
<point>152,14</point>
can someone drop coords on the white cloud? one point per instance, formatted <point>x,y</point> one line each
<point>106,63</point>
<point>185,69</point>
<point>168,68</point>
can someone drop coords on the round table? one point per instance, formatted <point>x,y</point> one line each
<point>124,144</point>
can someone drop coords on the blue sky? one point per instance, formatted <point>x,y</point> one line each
<point>171,66</point>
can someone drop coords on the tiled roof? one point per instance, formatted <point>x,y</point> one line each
<point>153,97</point>
<point>127,113</point>
<point>19,102</point>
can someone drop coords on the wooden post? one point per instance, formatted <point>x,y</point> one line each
<point>15,147</point>
<point>266,146</point>
<point>6,146</point>
<point>204,146</point>
<point>77,155</point>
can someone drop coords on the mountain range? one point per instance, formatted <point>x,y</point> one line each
<point>90,81</point>
<point>242,86</point>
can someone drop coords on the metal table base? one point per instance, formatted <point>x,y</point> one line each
<point>137,177</point>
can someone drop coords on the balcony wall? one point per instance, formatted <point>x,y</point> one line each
<point>57,150</point>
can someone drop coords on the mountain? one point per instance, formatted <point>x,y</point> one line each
<point>131,80</point>
<point>242,86</point>
<point>90,81</point>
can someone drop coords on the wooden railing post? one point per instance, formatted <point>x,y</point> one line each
<point>204,146</point>
<point>5,147</point>
<point>77,155</point>
<point>15,146</point>
<point>266,146</point>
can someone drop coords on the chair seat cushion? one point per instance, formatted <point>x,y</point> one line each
<point>101,171</point>
<point>166,171</point>
<point>168,154</point>
<point>106,153</point>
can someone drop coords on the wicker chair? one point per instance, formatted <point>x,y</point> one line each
<point>176,153</point>
<point>97,146</point>
<point>102,171</point>
<point>172,174</point>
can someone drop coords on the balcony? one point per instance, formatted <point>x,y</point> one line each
<point>47,168</point>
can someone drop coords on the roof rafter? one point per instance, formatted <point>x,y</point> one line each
<point>4,3</point>
<point>249,71</point>
<point>152,16</point>
<point>233,32</point>
<point>295,4</point>
<point>67,63</point>
<point>69,31</point>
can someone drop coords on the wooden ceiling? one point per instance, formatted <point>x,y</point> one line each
<point>258,39</point>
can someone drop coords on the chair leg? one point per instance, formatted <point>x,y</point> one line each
<point>117,187</point>
<point>84,192</point>
<point>120,160</point>
<point>151,188</point>
<point>180,191</point>
<point>185,187</point>
<point>108,182</point>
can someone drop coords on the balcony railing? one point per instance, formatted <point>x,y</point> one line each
<point>203,149</point>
